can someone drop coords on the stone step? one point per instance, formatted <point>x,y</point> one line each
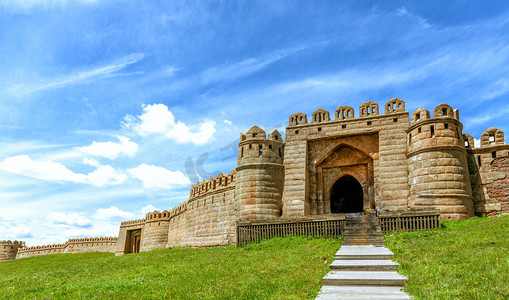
<point>363,243</point>
<point>361,292</point>
<point>364,235</point>
<point>364,278</point>
<point>364,265</point>
<point>366,243</point>
<point>364,252</point>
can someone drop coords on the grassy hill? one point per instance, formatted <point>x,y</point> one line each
<point>464,260</point>
<point>278,268</point>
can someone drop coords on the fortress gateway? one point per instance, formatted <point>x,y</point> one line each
<point>327,167</point>
<point>335,166</point>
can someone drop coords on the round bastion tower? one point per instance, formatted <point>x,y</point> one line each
<point>260,172</point>
<point>437,161</point>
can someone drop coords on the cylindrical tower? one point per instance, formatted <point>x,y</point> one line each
<point>260,172</point>
<point>155,231</point>
<point>437,160</point>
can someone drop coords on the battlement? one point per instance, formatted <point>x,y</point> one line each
<point>345,112</point>
<point>157,216</point>
<point>93,240</point>
<point>255,148</point>
<point>441,111</point>
<point>12,243</point>
<point>179,209</point>
<point>491,138</point>
<point>132,222</point>
<point>214,184</point>
<point>43,247</point>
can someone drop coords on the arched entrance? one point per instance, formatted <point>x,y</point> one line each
<point>346,196</point>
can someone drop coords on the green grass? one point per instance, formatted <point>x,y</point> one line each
<point>464,260</point>
<point>290,268</point>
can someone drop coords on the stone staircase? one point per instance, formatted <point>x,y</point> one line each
<point>363,268</point>
<point>362,230</point>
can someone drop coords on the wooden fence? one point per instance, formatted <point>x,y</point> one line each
<point>314,227</point>
<point>409,221</point>
<point>332,225</point>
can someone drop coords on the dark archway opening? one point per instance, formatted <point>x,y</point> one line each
<point>346,196</point>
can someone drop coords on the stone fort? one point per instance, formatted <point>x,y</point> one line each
<point>392,162</point>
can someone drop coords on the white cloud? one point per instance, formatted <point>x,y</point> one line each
<point>52,171</point>
<point>157,119</point>
<point>111,150</point>
<point>71,219</point>
<point>106,175</point>
<point>227,122</point>
<point>148,208</point>
<point>20,232</point>
<point>112,212</point>
<point>91,162</point>
<point>158,177</point>
<point>45,170</point>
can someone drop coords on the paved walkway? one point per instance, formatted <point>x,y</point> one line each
<point>363,272</point>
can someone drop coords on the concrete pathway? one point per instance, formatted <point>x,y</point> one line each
<point>363,272</point>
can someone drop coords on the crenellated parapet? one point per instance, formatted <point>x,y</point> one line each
<point>132,222</point>
<point>93,240</point>
<point>443,130</point>
<point>492,146</point>
<point>368,109</point>
<point>178,210</point>
<point>256,148</point>
<point>157,216</point>
<point>42,248</point>
<point>12,243</point>
<point>213,184</point>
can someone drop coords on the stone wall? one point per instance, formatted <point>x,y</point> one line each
<point>489,172</point>
<point>83,245</point>
<point>207,218</point>
<point>88,245</point>
<point>9,249</point>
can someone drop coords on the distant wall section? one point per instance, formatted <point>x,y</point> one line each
<point>84,245</point>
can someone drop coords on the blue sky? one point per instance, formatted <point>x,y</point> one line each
<point>112,108</point>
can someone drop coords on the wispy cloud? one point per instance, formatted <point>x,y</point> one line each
<point>27,5</point>
<point>26,89</point>
<point>487,116</point>
<point>248,66</point>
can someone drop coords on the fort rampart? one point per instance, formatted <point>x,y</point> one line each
<point>82,245</point>
<point>393,163</point>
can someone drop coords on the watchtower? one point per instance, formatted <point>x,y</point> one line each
<point>260,175</point>
<point>437,163</point>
